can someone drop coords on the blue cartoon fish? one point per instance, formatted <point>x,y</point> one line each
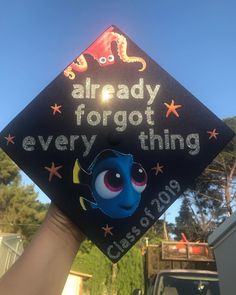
<point>115,181</point>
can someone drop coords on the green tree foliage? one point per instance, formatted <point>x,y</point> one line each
<point>20,211</point>
<point>223,170</point>
<point>108,278</point>
<point>130,272</point>
<point>9,173</point>
<point>158,232</point>
<point>212,196</point>
<point>185,222</point>
<point>93,262</point>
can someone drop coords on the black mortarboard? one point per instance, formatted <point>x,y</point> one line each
<point>114,97</point>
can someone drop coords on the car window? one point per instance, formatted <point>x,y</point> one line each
<point>190,285</point>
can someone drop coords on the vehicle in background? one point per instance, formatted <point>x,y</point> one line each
<point>180,268</point>
<point>185,282</point>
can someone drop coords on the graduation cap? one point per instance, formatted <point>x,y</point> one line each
<point>113,141</point>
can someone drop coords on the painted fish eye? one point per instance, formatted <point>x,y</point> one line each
<point>138,178</point>
<point>108,184</point>
<point>102,60</point>
<point>110,58</point>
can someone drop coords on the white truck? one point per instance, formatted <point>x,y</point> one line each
<point>180,268</point>
<point>185,282</point>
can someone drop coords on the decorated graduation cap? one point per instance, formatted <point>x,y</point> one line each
<point>113,141</point>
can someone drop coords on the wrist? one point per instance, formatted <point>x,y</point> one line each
<point>61,226</point>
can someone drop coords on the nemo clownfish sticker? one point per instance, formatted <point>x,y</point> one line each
<point>115,181</point>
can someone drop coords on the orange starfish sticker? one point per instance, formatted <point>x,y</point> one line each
<point>107,230</point>
<point>172,108</point>
<point>158,168</point>
<point>213,134</point>
<point>56,108</point>
<point>53,171</point>
<point>9,139</point>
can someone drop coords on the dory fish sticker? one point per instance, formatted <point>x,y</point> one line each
<point>113,141</point>
<point>116,183</point>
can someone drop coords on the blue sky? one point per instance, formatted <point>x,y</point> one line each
<point>195,41</point>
